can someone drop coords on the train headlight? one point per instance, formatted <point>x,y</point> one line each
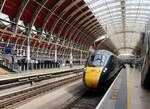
<point>84,69</point>
<point>105,69</point>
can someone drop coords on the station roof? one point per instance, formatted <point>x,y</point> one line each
<point>48,21</point>
<point>123,20</point>
<point>77,22</point>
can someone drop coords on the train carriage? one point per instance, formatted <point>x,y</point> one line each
<point>100,68</point>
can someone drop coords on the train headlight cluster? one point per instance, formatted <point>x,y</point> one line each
<point>105,69</point>
<point>84,69</point>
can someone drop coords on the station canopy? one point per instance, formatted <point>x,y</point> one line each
<point>123,20</point>
<point>72,24</point>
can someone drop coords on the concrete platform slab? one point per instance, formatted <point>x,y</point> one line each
<point>126,92</point>
<point>38,72</point>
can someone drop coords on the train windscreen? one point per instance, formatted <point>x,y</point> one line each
<point>96,60</point>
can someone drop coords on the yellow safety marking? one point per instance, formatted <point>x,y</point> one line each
<point>92,76</point>
<point>114,94</point>
<point>128,92</point>
<point>3,71</point>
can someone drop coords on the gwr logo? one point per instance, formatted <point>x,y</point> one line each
<point>93,70</point>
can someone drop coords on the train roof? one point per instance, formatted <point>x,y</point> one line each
<point>104,52</point>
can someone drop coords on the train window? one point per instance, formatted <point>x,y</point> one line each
<point>96,60</point>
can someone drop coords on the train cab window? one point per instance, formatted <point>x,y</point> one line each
<point>96,61</point>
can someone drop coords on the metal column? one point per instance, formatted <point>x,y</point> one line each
<point>55,53</point>
<point>28,47</point>
<point>81,58</point>
<point>71,58</point>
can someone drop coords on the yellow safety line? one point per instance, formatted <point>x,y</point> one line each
<point>128,92</point>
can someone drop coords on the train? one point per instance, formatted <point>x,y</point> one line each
<point>101,68</point>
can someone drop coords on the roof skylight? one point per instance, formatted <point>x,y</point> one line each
<point>121,16</point>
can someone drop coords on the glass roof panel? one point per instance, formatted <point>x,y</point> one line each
<point>122,20</point>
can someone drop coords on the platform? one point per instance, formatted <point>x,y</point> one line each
<point>126,92</point>
<point>39,72</point>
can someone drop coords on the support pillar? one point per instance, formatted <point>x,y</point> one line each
<point>55,53</point>
<point>28,47</point>
<point>80,57</point>
<point>71,58</point>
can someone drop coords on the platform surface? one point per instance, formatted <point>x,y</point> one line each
<point>126,92</point>
<point>37,72</point>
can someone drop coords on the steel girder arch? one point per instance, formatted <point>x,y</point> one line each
<point>70,27</point>
<point>43,48</point>
<point>74,13</point>
<point>37,11</point>
<point>2,2</point>
<point>48,16</point>
<point>85,28</point>
<point>95,28</point>
<point>77,18</point>
<point>63,13</point>
<point>50,13</point>
<point>78,34</point>
<point>88,23</point>
<point>79,26</point>
<point>19,38</point>
<point>30,28</point>
<point>77,40</point>
<point>75,36</point>
<point>17,18</point>
<point>11,33</point>
<point>102,32</point>
<point>85,44</point>
<point>75,32</point>
<point>5,32</point>
<point>85,40</point>
<point>48,50</point>
<point>61,16</point>
<point>73,29</point>
<point>48,47</point>
<point>94,31</point>
<point>97,33</point>
<point>91,25</point>
<point>83,14</point>
<point>19,14</point>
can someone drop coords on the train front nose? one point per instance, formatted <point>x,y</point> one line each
<point>92,76</point>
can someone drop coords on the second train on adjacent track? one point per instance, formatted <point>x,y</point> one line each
<point>101,67</point>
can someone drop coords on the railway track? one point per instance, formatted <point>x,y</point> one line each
<point>14,99</point>
<point>86,100</point>
<point>5,84</point>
